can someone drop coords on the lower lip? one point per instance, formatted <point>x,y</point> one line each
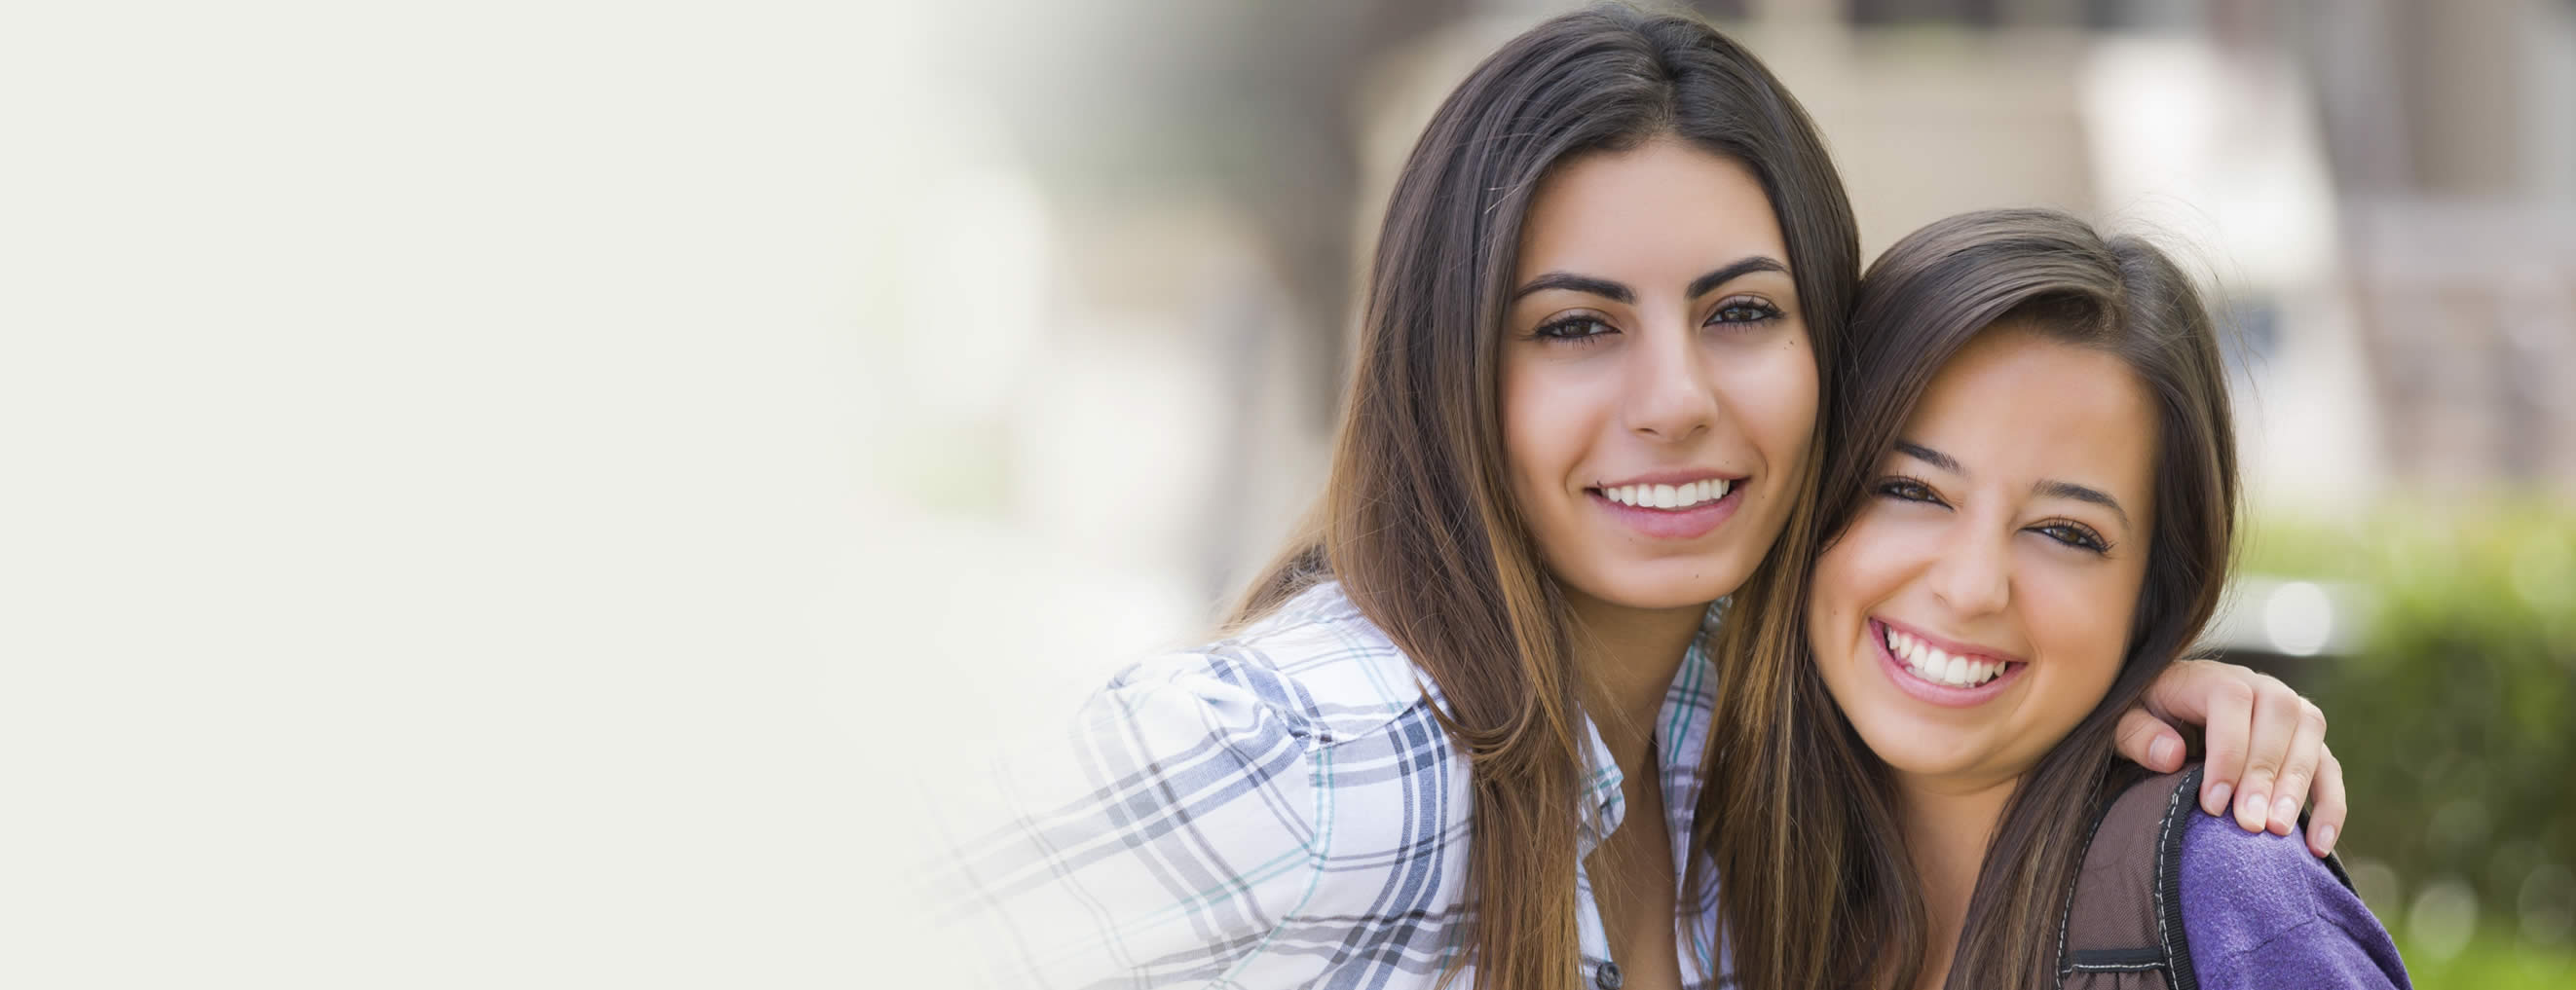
<point>1675,524</point>
<point>1929,692</point>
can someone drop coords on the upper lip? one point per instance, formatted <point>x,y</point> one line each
<point>1951,646</point>
<point>1671,478</point>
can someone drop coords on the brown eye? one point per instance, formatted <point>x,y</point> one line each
<point>1574,330</point>
<point>1745,309</point>
<point>2079,537</point>
<point>1906,490</point>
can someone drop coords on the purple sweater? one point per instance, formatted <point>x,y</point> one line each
<point>2261,912</point>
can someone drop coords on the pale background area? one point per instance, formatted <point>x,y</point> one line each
<point>435,444</point>
<point>513,494</point>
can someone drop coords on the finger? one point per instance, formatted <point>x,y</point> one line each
<point>2224,738</point>
<point>2325,821</point>
<point>2147,741</point>
<point>2183,693</point>
<point>2298,768</point>
<point>2277,711</point>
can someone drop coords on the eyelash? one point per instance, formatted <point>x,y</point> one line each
<point>1763,312</point>
<point>2065,531</point>
<point>2082,536</point>
<point>1555,330</point>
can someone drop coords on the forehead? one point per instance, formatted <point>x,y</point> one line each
<point>1662,210</point>
<point>2017,407</point>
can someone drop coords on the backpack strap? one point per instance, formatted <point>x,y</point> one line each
<point>2123,922</point>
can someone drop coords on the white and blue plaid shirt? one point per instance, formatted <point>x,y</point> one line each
<point>1279,809</point>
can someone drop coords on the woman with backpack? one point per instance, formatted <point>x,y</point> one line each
<point>2030,513</point>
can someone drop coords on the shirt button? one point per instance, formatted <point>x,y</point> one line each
<point>1607,977</point>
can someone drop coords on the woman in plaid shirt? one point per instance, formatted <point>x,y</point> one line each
<point>1459,731</point>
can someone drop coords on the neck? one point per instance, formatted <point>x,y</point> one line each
<point>1948,824</point>
<point>1633,654</point>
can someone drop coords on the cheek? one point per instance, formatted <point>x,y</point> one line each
<point>1775,397</point>
<point>1525,437</point>
<point>2083,620</point>
<point>1864,567</point>
<point>1545,426</point>
<point>1828,597</point>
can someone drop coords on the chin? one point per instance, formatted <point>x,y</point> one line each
<point>1666,585</point>
<point>1919,750</point>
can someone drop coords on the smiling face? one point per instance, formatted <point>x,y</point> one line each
<point>1979,605</point>
<point>1657,387</point>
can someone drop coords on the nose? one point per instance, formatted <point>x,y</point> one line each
<point>1974,573</point>
<point>1671,397</point>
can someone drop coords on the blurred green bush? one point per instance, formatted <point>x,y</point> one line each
<point>2454,715</point>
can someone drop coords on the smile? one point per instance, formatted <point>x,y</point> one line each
<point>1943,674</point>
<point>1670,507</point>
<point>1680,496</point>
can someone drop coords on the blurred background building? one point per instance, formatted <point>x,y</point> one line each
<point>1126,237</point>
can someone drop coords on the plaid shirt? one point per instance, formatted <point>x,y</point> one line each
<point>1279,809</point>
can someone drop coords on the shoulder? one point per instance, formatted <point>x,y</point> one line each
<point>1206,810</point>
<point>1260,709</point>
<point>2244,888</point>
<point>1315,670</point>
<point>2258,903</point>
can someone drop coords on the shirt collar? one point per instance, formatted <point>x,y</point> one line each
<point>1681,734</point>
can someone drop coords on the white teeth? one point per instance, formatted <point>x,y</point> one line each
<point>1937,665</point>
<point>1668,496</point>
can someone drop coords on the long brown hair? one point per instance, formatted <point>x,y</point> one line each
<point>1920,303</point>
<point>1417,520</point>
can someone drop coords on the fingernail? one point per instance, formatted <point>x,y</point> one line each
<point>2250,810</point>
<point>2285,812</point>
<point>2165,752</point>
<point>2216,802</point>
<point>2325,839</point>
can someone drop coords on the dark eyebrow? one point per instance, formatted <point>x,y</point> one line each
<point>1758,263</point>
<point>2049,487</point>
<point>2068,489</point>
<point>1579,283</point>
<point>1620,293</point>
<point>1929,456</point>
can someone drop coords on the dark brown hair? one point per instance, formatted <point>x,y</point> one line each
<point>1417,520</point>
<point>1922,301</point>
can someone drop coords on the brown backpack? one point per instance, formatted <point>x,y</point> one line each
<point>2123,924</point>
